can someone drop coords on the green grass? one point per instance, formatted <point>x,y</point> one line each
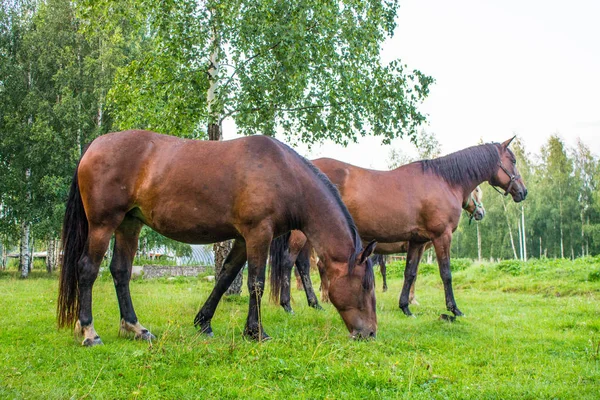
<point>527,335</point>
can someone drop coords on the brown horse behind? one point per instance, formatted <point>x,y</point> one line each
<point>474,208</point>
<point>203,192</point>
<point>417,203</point>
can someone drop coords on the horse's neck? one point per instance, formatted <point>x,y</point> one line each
<point>329,234</point>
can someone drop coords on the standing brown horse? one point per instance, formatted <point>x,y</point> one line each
<point>204,192</point>
<point>474,209</point>
<point>415,203</point>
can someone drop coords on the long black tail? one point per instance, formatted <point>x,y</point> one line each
<point>279,255</point>
<point>74,238</point>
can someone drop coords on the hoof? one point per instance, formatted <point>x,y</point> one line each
<point>145,335</point>
<point>88,342</point>
<point>456,312</point>
<point>384,289</point>
<point>316,306</point>
<point>288,308</point>
<point>203,325</point>
<point>414,302</point>
<point>406,311</point>
<point>206,329</point>
<point>256,335</point>
<point>448,318</point>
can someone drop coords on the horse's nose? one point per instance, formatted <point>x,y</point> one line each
<point>372,335</point>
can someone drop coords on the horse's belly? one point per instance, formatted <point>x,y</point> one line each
<point>190,226</point>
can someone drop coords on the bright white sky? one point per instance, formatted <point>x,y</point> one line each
<point>501,67</point>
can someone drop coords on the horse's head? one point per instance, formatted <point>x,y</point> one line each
<point>507,176</point>
<point>475,206</point>
<point>353,295</point>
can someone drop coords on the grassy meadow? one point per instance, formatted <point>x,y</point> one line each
<point>531,331</point>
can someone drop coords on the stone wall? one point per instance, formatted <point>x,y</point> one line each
<point>157,271</point>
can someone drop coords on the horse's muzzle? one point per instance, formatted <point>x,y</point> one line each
<point>363,334</point>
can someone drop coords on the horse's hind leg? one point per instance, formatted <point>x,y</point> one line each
<point>299,284</point>
<point>285,292</point>
<point>231,267</point>
<point>297,242</point>
<point>324,282</point>
<point>442,251</point>
<point>383,270</point>
<point>89,265</point>
<point>303,266</point>
<point>411,295</point>
<point>413,256</point>
<point>126,243</point>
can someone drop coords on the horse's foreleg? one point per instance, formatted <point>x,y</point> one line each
<point>285,292</point>
<point>413,257</point>
<point>303,266</point>
<point>126,242</point>
<point>442,251</point>
<point>257,249</point>
<point>231,267</point>
<point>89,265</point>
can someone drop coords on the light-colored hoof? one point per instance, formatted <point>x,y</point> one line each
<point>147,336</point>
<point>414,302</point>
<point>89,342</point>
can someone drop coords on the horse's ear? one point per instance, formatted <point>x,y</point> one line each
<point>367,251</point>
<point>505,144</point>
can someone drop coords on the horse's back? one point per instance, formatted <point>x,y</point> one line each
<point>190,190</point>
<point>391,205</point>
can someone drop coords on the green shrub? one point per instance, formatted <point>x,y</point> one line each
<point>513,267</point>
<point>594,276</point>
<point>428,269</point>
<point>459,264</point>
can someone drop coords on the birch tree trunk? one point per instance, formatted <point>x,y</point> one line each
<point>57,254</point>
<point>4,257</point>
<point>582,235</point>
<point>31,251</point>
<point>478,243</point>
<point>562,247</point>
<point>524,235</point>
<point>50,256</point>
<point>222,249</point>
<point>520,240</point>
<point>512,242</point>
<point>25,256</point>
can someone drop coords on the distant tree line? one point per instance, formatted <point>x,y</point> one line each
<point>559,219</point>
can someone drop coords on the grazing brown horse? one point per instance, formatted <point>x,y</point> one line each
<point>474,209</point>
<point>415,203</point>
<point>204,192</point>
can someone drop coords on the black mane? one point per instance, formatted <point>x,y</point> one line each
<point>475,163</point>
<point>369,277</point>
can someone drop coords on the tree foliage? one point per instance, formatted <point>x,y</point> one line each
<point>308,69</point>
